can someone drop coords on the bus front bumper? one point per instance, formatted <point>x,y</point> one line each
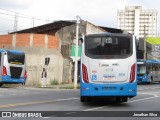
<point>142,79</point>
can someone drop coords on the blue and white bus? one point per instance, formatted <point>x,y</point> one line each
<point>12,67</point>
<point>108,67</point>
<point>148,71</point>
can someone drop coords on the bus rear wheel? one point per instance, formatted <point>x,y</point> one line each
<point>125,99</point>
<point>1,84</point>
<point>122,99</point>
<point>85,99</point>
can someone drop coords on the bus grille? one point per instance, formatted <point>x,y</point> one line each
<point>15,72</point>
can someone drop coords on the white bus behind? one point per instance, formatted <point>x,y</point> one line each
<point>108,67</point>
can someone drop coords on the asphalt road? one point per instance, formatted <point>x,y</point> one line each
<point>24,99</point>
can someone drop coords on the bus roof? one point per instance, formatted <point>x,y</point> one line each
<point>147,61</point>
<point>110,34</point>
<point>1,50</point>
<point>153,61</point>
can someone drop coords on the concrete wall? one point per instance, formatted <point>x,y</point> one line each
<point>35,59</point>
<point>92,29</point>
<point>66,36</point>
<point>37,47</point>
<point>35,63</point>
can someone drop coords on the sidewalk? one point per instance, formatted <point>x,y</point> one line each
<point>63,86</point>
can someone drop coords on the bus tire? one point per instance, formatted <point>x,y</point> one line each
<point>125,99</point>
<point>1,84</point>
<point>85,99</point>
<point>119,99</point>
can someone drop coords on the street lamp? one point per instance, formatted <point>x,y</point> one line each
<point>76,52</point>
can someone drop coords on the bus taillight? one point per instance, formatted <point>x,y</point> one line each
<point>132,74</point>
<point>85,74</point>
<point>4,71</point>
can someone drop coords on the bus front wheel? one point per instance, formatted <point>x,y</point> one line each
<point>150,80</point>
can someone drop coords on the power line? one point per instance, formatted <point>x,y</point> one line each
<point>6,14</point>
<point>5,19</point>
<point>22,15</point>
<point>17,18</point>
<point>7,10</point>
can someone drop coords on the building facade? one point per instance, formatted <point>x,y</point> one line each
<point>137,21</point>
<point>53,40</point>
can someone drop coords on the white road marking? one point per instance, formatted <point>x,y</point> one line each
<point>96,108</point>
<point>141,89</point>
<point>148,92</point>
<point>142,99</point>
<point>58,100</point>
<point>35,102</point>
<point>91,109</point>
<point>70,113</point>
<point>46,117</point>
<point>155,94</point>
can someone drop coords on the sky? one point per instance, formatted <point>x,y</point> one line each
<point>37,12</point>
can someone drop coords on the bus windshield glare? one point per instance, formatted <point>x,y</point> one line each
<point>14,58</point>
<point>108,47</point>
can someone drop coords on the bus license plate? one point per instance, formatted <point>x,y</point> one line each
<point>109,88</point>
<point>109,78</point>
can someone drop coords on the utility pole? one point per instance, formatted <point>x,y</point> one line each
<point>76,52</point>
<point>15,22</point>
<point>33,22</point>
<point>145,56</point>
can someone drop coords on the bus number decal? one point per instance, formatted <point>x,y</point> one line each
<point>121,74</point>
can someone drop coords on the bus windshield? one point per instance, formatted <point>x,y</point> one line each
<point>16,58</point>
<point>108,47</point>
<point>141,69</point>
